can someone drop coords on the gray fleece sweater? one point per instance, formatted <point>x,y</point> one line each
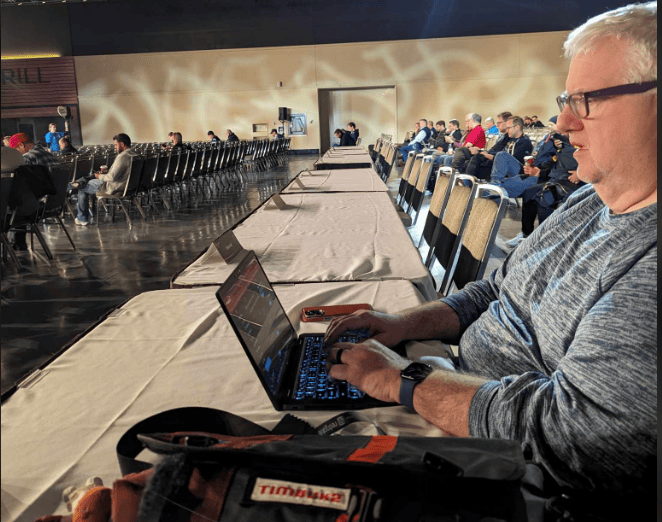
<point>566,329</point>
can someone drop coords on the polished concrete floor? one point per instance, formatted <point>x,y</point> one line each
<point>48,303</point>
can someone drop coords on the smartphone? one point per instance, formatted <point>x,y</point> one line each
<point>326,313</point>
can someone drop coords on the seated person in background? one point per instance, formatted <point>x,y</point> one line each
<point>275,135</point>
<point>230,136</point>
<point>490,127</point>
<point>344,137</point>
<point>558,346</point>
<point>433,131</point>
<point>419,140</point>
<point>66,147</point>
<point>112,182</point>
<point>353,131</point>
<point>177,141</point>
<point>480,164</point>
<point>528,122</point>
<point>212,137</point>
<point>32,155</point>
<point>556,180</point>
<point>53,137</point>
<point>11,158</point>
<point>417,129</point>
<point>171,140</point>
<point>509,163</point>
<point>475,137</point>
<point>445,140</point>
<point>536,123</point>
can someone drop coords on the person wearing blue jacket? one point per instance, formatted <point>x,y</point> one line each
<point>52,138</point>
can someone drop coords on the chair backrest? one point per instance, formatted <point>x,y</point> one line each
<point>99,159</point>
<point>181,166</point>
<point>133,183</point>
<point>7,180</point>
<point>149,172</point>
<point>161,169</point>
<point>192,158</point>
<point>411,158</point>
<point>477,237</point>
<point>442,191</point>
<point>490,140</point>
<point>84,166</point>
<point>455,214</point>
<point>55,202</point>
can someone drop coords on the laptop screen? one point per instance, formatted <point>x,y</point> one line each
<point>259,318</point>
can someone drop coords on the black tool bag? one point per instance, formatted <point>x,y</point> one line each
<point>217,466</point>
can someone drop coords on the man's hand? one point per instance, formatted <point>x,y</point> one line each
<point>96,175</point>
<point>384,328</point>
<point>370,366</point>
<point>573,178</point>
<point>449,139</point>
<point>474,150</point>
<point>558,144</point>
<point>487,155</point>
<point>531,171</point>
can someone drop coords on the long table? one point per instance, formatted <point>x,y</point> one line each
<point>321,237</point>
<point>345,180</point>
<point>344,159</point>
<point>160,350</point>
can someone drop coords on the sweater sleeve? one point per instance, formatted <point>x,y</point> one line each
<point>592,422</point>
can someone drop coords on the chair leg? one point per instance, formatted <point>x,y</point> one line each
<point>10,251</point>
<point>59,220</point>
<point>126,213</point>
<point>138,204</point>
<point>42,240</point>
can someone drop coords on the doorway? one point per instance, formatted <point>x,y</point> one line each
<point>372,109</point>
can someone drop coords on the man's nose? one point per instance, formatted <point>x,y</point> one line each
<point>568,122</point>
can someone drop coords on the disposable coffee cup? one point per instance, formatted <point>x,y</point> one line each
<point>103,169</point>
<point>528,160</point>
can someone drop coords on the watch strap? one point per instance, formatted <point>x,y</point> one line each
<point>407,392</point>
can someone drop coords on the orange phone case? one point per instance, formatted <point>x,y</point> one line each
<point>329,312</point>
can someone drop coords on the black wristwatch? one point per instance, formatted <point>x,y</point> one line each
<point>412,375</point>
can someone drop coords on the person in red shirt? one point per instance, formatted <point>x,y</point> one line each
<point>475,141</point>
<point>474,136</point>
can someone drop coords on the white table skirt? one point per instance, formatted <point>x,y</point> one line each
<point>322,237</point>
<point>341,180</point>
<point>161,350</point>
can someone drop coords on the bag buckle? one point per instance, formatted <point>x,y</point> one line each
<point>196,441</point>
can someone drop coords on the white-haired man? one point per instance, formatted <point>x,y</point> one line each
<point>558,346</point>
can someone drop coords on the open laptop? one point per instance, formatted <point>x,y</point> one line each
<point>292,370</point>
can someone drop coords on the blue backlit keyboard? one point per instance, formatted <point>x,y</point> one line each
<point>314,380</point>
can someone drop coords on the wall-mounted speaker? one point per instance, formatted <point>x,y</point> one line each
<point>283,114</point>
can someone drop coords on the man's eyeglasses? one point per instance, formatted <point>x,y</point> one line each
<point>579,102</point>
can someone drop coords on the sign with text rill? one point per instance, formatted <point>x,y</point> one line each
<point>38,82</point>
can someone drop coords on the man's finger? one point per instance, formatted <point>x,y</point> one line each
<point>340,372</point>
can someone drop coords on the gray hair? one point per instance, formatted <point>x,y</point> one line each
<point>489,118</point>
<point>475,117</point>
<point>634,23</point>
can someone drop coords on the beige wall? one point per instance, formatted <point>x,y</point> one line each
<point>148,95</point>
<point>372,110</point>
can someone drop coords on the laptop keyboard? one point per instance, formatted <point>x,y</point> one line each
<point>314,380</point>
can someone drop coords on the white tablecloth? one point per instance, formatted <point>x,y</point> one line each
<point>344,160</point>
<point>334,151</point>
<point>341,180</point>
<point>322,237</point>
<point>161,350</point>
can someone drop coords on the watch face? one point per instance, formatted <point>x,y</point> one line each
<point>416,371</point>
